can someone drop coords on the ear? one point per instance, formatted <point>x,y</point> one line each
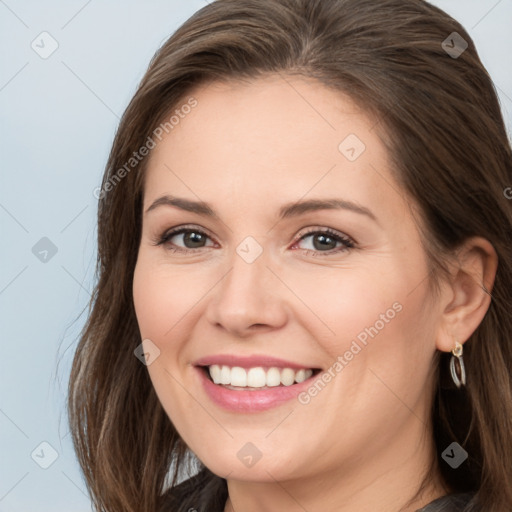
<point>466,298</point>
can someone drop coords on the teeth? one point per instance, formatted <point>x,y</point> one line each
<point>257,377</point>
<point>224,375</point>
<point>238,377</point>
<point>273,377</point>
<point>287,376</point>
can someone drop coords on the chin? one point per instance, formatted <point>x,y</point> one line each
<point>266,469</point>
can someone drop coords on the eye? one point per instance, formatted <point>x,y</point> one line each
<point>191,237</point>
<point>326,241</point>
<point>322,241</point>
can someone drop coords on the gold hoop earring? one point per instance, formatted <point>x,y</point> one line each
<point>457,356</point>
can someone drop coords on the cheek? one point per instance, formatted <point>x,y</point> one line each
<point>161,302</point>
<point>163,299</point>
<point>149,299</point>
<point>375,319</point>
<point>340,305</point>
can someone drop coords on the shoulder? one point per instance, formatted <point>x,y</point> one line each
<point>450,503</point>
<point>204,491</point>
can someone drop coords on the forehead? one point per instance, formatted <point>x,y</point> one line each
<point>271,138</point>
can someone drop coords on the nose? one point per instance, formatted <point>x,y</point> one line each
<point>248,299</point>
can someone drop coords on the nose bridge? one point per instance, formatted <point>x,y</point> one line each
<point>246,285</point>
<point>246,296</point>
<point>248,273</point>
<point>246,280</point>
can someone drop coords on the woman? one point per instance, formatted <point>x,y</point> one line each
<point>304,271</point>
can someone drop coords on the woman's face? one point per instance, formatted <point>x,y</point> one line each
<point>264,272</point>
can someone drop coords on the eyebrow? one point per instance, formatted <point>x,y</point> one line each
<point>286,211</point>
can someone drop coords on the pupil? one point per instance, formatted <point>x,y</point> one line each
<point>194,238</point>
<point>322,238</point>
<point>320,241</point>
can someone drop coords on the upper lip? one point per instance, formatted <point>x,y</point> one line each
<point>248,361</point>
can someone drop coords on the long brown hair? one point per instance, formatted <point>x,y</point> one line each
<point>440,119</point>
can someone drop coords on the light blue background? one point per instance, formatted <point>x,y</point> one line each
<point>59,116</point>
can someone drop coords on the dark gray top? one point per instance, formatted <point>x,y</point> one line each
<point>449,503</point>
<point>213,494</point>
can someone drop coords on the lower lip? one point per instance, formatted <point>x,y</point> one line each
<point>251,401</point>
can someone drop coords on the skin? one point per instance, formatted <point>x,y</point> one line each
<point>364,441</point>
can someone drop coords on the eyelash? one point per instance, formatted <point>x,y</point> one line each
<point>347,242</point>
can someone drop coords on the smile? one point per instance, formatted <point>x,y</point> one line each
<point>257,377</point>
<point>255,389</point>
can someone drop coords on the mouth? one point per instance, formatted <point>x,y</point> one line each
<point>256,378</point>
<point>252,383</point>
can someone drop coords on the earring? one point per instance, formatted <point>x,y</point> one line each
<point>457,355</point>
